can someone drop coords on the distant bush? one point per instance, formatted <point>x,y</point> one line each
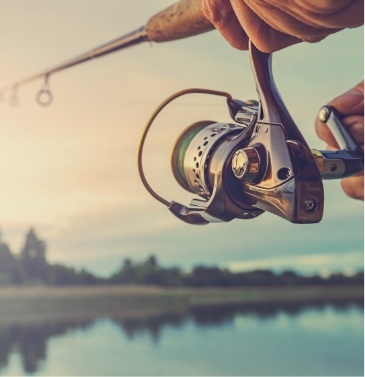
<point>31,267</point>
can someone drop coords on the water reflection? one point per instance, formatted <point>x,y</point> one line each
<point>218,315</point>
<point>30,340</point>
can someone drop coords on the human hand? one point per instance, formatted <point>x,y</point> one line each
<point>351,106</point>
<point>272,25</point>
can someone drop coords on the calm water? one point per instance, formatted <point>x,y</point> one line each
<point>231,340</point>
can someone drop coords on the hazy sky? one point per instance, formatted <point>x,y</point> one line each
<point>69,170</point>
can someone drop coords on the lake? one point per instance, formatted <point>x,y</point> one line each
<point>316,339</point>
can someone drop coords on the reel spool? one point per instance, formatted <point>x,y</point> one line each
<point>194,154</point>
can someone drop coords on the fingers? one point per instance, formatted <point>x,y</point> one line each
<point>222,16</point>
<point>351,102</point>
<point>351,106</point>
<point>238,23</point>
<point>354,124</point>
<point>274,24</point>
<point>354,186</point>
<point>263,36</point>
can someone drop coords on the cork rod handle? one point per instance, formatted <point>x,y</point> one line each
<point>181,20</point>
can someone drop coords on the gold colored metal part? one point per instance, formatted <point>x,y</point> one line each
<point>319,160</point>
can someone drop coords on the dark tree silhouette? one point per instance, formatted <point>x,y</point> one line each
<point>31,267</point>
<point>33,258</point>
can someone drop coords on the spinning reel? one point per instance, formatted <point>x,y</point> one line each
<point>259,163</point>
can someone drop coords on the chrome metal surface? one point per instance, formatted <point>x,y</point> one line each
<point>200,154</point>
<point>291,178</point>
<point>344,140</point>
<point>346,161</point>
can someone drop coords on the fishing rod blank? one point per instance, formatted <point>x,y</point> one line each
<point>181,20</point>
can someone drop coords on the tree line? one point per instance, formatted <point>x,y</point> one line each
<point>30,267</point>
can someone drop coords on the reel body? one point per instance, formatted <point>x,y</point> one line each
<point>259,163</point>
<point>236,173</point>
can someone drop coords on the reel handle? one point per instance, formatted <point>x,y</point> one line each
<point>346,161</point>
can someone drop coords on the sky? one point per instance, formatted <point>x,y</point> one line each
<point>69,170</point>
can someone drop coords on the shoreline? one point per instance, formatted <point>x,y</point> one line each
<point>40,304</point>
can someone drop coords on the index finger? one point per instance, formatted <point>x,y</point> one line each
<point>351,102</point>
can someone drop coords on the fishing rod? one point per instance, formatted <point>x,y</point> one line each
<point>181,20</point>
<point>260,163</point>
